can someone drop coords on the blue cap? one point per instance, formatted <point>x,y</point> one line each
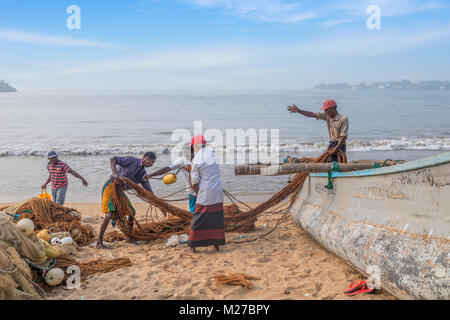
<point>52,154</point>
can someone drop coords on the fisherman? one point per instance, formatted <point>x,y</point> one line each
<point>132,168</point>
<point>184,165</point>
<point>58,176</point>
<point>337,126</point>
<point>207,226</point>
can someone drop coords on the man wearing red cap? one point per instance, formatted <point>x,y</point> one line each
<point>337,125</point>
<point>207,226</point>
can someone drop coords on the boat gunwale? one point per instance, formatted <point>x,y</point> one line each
<point>428,162</point>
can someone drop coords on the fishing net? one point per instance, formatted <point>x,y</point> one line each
<point>114,236</point>
<point>16,280</point>
<point>49,215</point>
<point>178,220</point>
<point>93,266</point>
<point>235,279</point>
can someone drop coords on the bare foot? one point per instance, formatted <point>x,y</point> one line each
<point>100,245</point>
<point>193,250</point>
<point>217,248</point>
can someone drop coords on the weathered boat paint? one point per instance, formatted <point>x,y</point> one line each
<point>397,220</point>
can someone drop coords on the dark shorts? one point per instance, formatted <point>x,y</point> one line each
<point>333,144</point>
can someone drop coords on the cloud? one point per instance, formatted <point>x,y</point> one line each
<point>260,10</point>
<point>341,12</point>
<point>375,43</point>
<point>181,59</point>
<point>43,39</point>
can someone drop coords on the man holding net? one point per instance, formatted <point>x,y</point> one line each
<point>132,168</point>
<point>337,126</point>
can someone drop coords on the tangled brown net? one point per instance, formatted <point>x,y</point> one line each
<point>235,279</point>
<point>93,266</point>
<point>49,215</point>
<point>178,220</point>
<point>114,236</point>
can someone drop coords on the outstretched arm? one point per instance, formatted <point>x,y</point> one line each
<point>157,173</point>
<point>295,109</point>
<point>76,175</point>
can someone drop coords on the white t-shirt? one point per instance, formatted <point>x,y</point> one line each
<point>206,172</point>
<point>180,163</point>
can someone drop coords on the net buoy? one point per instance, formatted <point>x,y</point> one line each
<point>51,252</point>
<point>169,178</point>
<point>54,277</point>
<point>55,241</point>
<point>67,240</point>
<point>26,226</point>
<point>44,235</point>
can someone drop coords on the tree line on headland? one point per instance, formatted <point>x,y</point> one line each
<point>397,85</point>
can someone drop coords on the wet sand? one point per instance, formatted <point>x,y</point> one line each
<point>289,263</point>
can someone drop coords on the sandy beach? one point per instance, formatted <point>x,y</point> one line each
<point>289,263</point>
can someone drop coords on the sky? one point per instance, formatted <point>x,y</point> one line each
<point>219,45</point>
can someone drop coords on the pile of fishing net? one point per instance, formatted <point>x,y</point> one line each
<point>53,217</point>
<point>16,276</point>
<point>24,262</point>
<point>178,220</point>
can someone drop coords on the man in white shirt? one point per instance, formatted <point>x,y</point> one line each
<point>208,226</point>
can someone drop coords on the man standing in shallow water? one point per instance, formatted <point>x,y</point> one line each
<point>337,126</point>
<point>132,168</point>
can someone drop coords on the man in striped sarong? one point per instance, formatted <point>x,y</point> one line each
<point>207,226</point>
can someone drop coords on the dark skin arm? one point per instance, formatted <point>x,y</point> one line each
<point>44,186</point>
<point>340,143</point>
<point>195,187</point>
<point>295,109</point>
<point>113,164</point>
<point>158,173</point>
<point>76,175</point>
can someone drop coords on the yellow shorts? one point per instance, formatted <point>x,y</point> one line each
<point>107,193</point>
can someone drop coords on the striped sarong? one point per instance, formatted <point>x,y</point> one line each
<point>207,226</point>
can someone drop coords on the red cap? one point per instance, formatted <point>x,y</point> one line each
<point>198,139</point>
<point>329,104</point>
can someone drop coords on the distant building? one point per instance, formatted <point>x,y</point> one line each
<point>390,85</point>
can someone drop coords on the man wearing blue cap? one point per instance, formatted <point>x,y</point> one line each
<point>58,176</point>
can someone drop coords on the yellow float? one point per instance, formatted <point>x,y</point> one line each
<point>50,251</point>
<point>44,235</point>
<point>169,178</point>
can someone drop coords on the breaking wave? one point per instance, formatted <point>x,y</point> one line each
<point>17,150</point>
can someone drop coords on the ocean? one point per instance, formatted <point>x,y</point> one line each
<point>87,129</point>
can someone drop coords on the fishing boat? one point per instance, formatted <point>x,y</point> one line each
<point>394,221</point>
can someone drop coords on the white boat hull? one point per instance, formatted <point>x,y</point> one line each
<point>394,220</point>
